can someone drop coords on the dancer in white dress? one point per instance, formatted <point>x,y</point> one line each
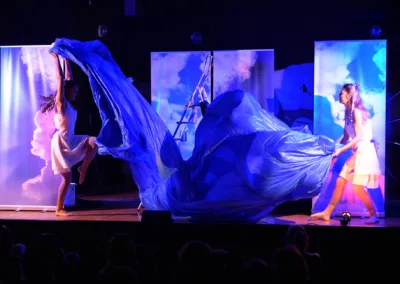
<point>67,149</point>
<point>362,167</point>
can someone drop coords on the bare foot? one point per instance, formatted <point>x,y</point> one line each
<point>63,213</point>
<point>321,215</point>
<point>82,175</point>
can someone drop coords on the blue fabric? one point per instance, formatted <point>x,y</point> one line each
<point>245,161</point>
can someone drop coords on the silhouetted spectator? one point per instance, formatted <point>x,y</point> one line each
<point>195,262</point>
<point>8,267</point>
<point>121,252</point>
<point>297,236</point>
<point>290,266</point>
<point>72,270</point>
<point>45,259</point>
<point>18,254</point>
<point>256,271</point>
<point>145,264</point>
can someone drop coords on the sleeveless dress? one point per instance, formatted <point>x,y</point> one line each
<point>67,149</point>
<point>362,167</point>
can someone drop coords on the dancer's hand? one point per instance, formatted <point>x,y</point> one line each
<point>337,152</point>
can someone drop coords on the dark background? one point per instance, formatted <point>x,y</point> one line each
<point>288,27</point>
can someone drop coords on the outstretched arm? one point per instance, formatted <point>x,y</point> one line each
<point>68,70</point>
<point>59,100</point>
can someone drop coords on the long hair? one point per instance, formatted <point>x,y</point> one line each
<point>297,236</point>
<point>355,102</point>
<point>49,102</point>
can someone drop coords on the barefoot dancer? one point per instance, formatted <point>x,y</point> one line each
<point>67,149</point>
<point>362,168</point>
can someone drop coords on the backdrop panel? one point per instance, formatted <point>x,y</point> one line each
<point>249,70</point>
<point>26,178</point>
<point>294,95</point>
<point>174,77</point>
<point>337,63</point>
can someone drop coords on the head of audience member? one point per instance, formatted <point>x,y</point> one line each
<point>121,250</point>
<point>256,271</point>
<point>195,261</point>
<point>297,236</point>
<point>290,265</point>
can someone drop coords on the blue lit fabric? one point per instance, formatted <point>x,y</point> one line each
<point>245,161</point>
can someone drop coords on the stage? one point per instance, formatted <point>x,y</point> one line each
<point>133,215</point>
<point>122,207</point>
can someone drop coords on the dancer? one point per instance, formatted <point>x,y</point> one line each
<point>362,167</point>
<point>67,149</point>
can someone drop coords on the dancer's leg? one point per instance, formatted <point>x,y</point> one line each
<point>336,196</point>
<point>367,200</point>
<point>62,193</point>
<point>90,154</point>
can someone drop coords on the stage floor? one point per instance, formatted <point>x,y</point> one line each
<point>122,207</point>
<point>132,215</point>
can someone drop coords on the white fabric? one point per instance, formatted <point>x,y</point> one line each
<point>362,167</point>
<point>67,149</point>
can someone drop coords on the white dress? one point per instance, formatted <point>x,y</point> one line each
<point>362,167</point>
<point>67,149</point>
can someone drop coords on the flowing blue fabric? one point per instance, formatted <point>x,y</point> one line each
<point>245,161</point>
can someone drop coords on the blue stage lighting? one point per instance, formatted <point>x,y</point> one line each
<point>375,32</point>
<point>196,37</point>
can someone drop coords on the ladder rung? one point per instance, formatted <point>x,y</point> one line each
<point>195,105</point>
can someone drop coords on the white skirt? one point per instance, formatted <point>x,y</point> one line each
<point>67,151</point>
<point>362,167</point>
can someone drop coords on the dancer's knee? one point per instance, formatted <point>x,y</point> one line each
<point>66,177</point>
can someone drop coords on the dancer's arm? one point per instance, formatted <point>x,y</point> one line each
<point>346,136</point>
<point>358,131</point>
<point>68,70</point>
<point>59,99</point>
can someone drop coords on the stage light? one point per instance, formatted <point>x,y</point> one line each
<point>102,31</point>
<point>375,32</point>
<point>346,218</point>
<point>196,37</point>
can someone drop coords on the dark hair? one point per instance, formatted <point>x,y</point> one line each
<point>121,249</point>
<point>297,235</point>
<point>49,101</point>
<point>355,102</point>
<point>290,265</point>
